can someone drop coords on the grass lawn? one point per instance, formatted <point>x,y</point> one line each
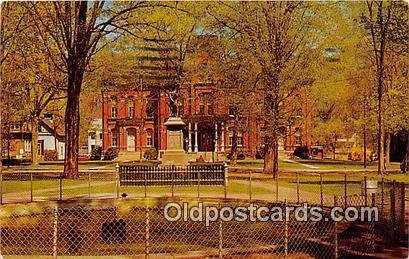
<point>82,166</point>
<point>104,183</point>
<point>333,183</point>
<point>248,163</point>
<point>311,165</point>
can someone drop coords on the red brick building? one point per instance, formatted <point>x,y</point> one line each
<point>133,121</point>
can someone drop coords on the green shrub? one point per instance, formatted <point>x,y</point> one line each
<point>50,155</point>
<point>260,153</point>
<point>111,153</point>
<point>151,154</point>
<point>240,156</point>
<point>96,153</point>
<point>302,152</point>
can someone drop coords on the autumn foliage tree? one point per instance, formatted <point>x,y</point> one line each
<point>72,32</point>
<point>386,36</point>
<point>276,33</point>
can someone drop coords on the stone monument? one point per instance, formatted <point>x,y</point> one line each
<point>174,153</point>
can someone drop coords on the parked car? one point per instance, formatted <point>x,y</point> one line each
<point>83,157</point>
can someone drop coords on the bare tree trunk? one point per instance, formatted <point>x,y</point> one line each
<point>72,118</point>
<point>268,157</point>
<point>8,141</point>
<point>387,148</point>
<point>233,151</point>
<point>275,158</point>
<point>381,140</point>
<point>365,156</point>
<point>34,140</point>
<point>76,67</point>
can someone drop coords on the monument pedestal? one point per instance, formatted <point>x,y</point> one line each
<point>174,153</point>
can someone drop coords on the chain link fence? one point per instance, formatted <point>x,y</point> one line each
<point>94,215</point>
<point>138,227</point>
<point>359,238</point>
<point>317,188</point>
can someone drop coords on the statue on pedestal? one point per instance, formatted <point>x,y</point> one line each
<point>175,102</point>
<point>174,153</point>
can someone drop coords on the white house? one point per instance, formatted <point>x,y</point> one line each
<point>95,135</point>
<point>50,138</point>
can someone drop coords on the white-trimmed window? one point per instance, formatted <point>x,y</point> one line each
<point>114,110</point>
<point>27,145</point>
<point>298,138</point>
<point>131,108</point>
<point>239,139</point>
<point>149,140</point>
<point>114,139</point>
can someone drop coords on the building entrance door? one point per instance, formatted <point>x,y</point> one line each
<point>131,139</point>
<point>206,141</point>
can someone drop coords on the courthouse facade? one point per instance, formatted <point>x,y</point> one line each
<point>133,121</point>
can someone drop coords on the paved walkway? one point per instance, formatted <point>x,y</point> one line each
<point>287,193</point>
<point>298,163</point>
<point>363,170</point>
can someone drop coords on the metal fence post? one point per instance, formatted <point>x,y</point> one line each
<point>61,176</point>
<point>372,223</point>
<point>89,184</point>
<point>382,195</point>
<point>345,191</point>
<point>1,188</point>
<point>198,183</point>
<point>298,187</point>
<point>365,192</point>
<point>277,187</point>
<point>250,193</point>
<point>402,208</point>
<point>55,232</point>
<point>117,180</point>
<point>285,230</point>
<point>31,187</point>
<point>335,230</point>
<point>393,211</point>
<point>226,171</point>
<point>145,184</point>
<point>147,231</point>
<point>173,171</point>
<point>321,192</point>
<point>220,238</point>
